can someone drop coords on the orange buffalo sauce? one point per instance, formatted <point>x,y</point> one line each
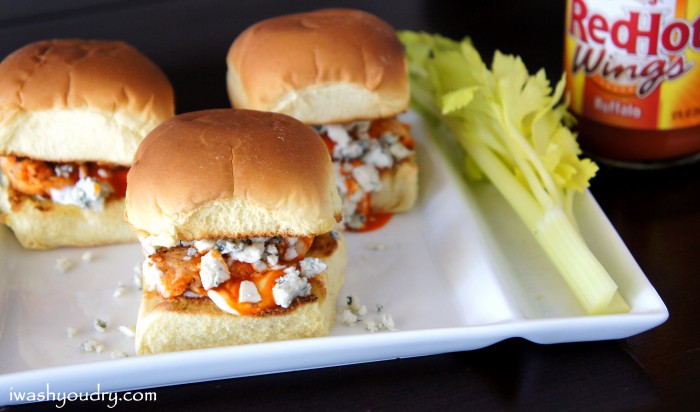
<point>180,268</point>
<point>37,177</point>
<point>392,125</point>
<point>373,220</point>
<point>376,221</point>
<point>632,76</point>
<point>116,177</point>
<point>264,282</point>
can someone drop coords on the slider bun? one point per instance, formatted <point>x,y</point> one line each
<point>230,173</point>
<point>80,100</point>
<point>326,66</point>
<point>399,188</point>
<point>168,325</point>
<point>43,225</point>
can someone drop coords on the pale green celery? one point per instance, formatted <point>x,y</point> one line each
<point>569,253</point>
<point>512,131</point>
<point>555,233</point>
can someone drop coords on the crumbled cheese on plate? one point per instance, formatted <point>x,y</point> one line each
<point>354,313</point>
<point>92,345</point>
<point>128,331</point>
<point>87,256</point>
<point>63,264</point>
<point>100,325</point>
<point>120,290</point>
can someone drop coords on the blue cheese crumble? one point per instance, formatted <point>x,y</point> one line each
<point>312,266</point>
<point>128,331</point>
<point>63,264</point>
<point>87,193</point>
<point>92,345</point>
<point>247,292</point>
<point>217,257</point>
<point>352,143</point>
<point>354,313</point>
<point>290,286</point>
<point>100,325</point>
<point>151,276</point>
<point>214,270</point>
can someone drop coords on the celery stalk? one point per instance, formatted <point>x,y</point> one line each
<point>584,274</point>
<point>512,129</point>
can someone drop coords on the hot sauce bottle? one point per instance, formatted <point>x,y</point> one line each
<point>633,79</point>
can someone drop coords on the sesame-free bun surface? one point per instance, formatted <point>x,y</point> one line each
<point>182,323</point>
<point>44,225</point>
<point>80,100</point>
<point>230,173</point>
<point>399,188</point>
<point>325,66</point>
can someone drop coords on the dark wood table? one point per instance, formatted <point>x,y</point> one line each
<point>657,213</point>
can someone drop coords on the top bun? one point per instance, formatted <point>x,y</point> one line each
<point>326,66</point>
<point>230,173</point>
<point>80,100</point>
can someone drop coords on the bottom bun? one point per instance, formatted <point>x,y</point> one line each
<point>44,225</point>
<point>399,188</point>
<point>182,323</point>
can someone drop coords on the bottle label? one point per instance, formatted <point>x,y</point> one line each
<point>633,63</point>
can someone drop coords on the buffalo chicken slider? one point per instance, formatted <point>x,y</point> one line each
<point>344,73</point>
<point>72,113</point>
<point>235,210</point>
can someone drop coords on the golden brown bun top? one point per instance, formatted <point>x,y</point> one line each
<point>283,64</point>
<point>230,173</point>
<point>74,73</point>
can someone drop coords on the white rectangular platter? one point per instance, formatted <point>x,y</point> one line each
<point>457,273</point>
